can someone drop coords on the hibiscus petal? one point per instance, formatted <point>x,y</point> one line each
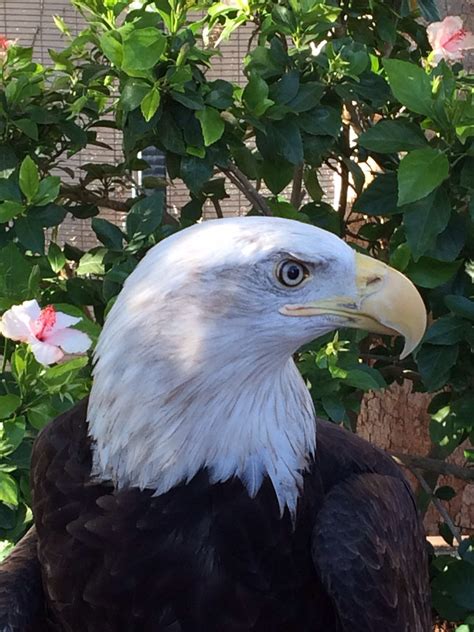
<point>30,308</point>
<point>64,320</point>
<point>435,32</point>
<point>70,340</point>
<point>440,33</point>
<point>46,353</point>
<point>16,323</point>
<point>13,327</point>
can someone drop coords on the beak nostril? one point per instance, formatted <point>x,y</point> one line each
<point>373,280</point>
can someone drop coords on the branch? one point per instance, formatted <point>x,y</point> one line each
<point>354,118</point>
<point>246,187</point>
<point>297,185</point>
<point>412,461</point>
<point>78,193</point>
<point>217,208</point>
<point>439,506</point>
<point>343,196</point>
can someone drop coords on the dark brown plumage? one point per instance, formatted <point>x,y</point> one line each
<point>207,558</point>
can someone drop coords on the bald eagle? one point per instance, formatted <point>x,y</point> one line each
<point>195,491</point>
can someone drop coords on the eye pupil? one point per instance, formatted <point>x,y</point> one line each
<point>291,273</point>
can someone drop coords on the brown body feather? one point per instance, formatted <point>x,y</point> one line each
<point>207,558</point>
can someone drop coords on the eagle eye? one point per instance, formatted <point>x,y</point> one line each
<point>291,273</point>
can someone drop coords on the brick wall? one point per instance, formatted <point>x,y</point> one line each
<point>31,22</point>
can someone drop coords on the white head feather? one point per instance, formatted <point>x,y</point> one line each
<point>194,368</point>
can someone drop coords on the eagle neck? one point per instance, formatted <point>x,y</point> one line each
<point>249,419</point>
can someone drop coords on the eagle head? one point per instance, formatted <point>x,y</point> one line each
<point>194,366</point>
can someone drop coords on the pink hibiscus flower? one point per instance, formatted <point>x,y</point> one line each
<point>47,331</point>
<point>4,46</point>
<point>449,39</point>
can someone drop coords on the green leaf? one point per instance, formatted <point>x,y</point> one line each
<point>410,84</point>
<point>212,125</point>
<point>41,414</point>
<point>11,435</point>
<point>323,215</point>
<point>460,305</point>
<point>62,373</point>
<point>419,173</point>
<point>392,137</point>
<point>48,191</point>
<point>142,49</point>
<point>286,88</point>
<point>107,233</point>
<point>380,197</point>
<point>312,185</point>
<point>467,171</point>
<point>28,127</point>
<point>445,492</point>
<point>435,363</point>
<point>92,262</point>
<point>9,210</point>
<point>8,161</point>
<point>255,95</point>
<point>61,25</point>
<point>247,161</point>
<point>362,380</point>
<point>6,547</point>
<point>189,99</point>
<point>334,407</point>
<point>400,257</point>
<point>447,330</point>
<point>221,94</point>
<point>287,136</point>
<point>112,48</point>
<point>30,233</point>
<point>269,62</point>
<point>323,120</point>
<point>450,242</point>
<point>48,216</point>
<point>285,19</point>
<point>145,216</point>
<point>309,95</point>
<point>317,149</point>
<point>195,172</point>
<point>8,490</point>
<point>15,272</point>
<point>56,257</point>
<point>424,220</point>
<point>54,372</point>
<point>458,582</point>
<point>76,134</point>
<point>9,190</point>
<point>430,273</point>
<point>277,175</point>
<point>133,93</point>
<point>150,104</point>
<point>355,56</point>
<point>8,405</point>
<point>29,178</point>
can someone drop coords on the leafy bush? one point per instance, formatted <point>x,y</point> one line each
<point>351,85</point>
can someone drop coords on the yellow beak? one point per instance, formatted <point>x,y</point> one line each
<point>386,302</point>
